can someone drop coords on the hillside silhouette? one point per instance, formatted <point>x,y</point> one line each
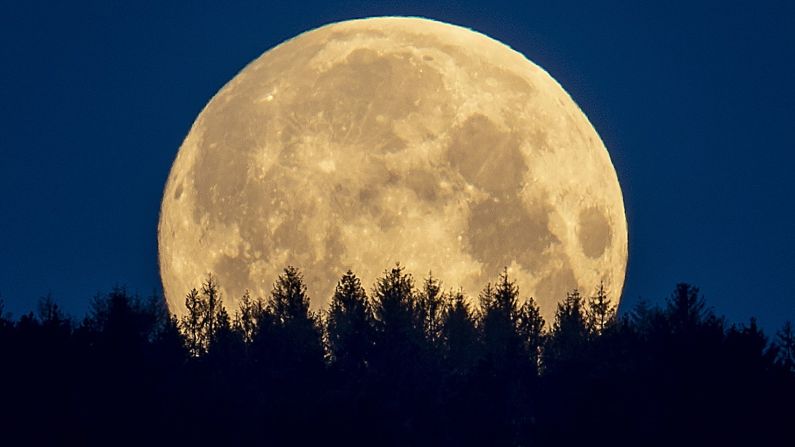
<point>405,363</point>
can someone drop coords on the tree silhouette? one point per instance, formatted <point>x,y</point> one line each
<point>410,367</point>
<point>192,323</point>
<point>430,307</point>
<point>530,327</point>
<point>50,314</point>
<point>205,311</point>
<point>289,355</point>
<point>686,308</point>
<point>350,326</point>
<point>122,323</point>
<point>786,343</point>
<point>499,316</point>
<point>461,346</point>
<point>6,326</point>
<point>508,369</point>
<point>397,323</point>
<point>247,316</point>
<point>751,348</point>
<point>601,313</point>
<point>226,344</point>
<point>512,334</point>
<point>213,307</point>
<point>403,376</point>
<point>570,333</point>
<point>294,331</point>
<point>4,317</point>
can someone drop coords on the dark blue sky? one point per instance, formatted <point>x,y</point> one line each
<point>694,100</point>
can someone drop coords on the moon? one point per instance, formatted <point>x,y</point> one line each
<point>368,142</point>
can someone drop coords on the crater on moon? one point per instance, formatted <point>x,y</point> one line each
<point>502,232</point>
<point>367,142</point>
<point>594,232</point>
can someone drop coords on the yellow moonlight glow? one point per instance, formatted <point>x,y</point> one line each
<point>367,142</point>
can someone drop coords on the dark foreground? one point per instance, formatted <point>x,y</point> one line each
<point>402,365</point>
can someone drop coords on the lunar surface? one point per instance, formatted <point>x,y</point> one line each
<point>369,142</point>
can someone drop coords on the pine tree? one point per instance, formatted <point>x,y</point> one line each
<point>601,313</point>
<point>226,346</point>
<point>246,316</point>
<point>686,308</point>
<point>6,325</point>
<point>499,318</point>
<point>350,325</point>
<point>123,324</point>
<point>50,314</point>
<point>213,307</point>
<point>297,329</point>
<point>569,333</point>
<point>288,300</point>
<point>750,345</point>
<point>486,300</point>
<point>200,323</point>
<point>506,296</point>
<point>785,339</point>
<point>287,357</point>
<point>459,336</point>
<point>507,368</point>
<point>530,326</point>
<point>398,329</point>
<point>223,332</point>
<point>430,306</point>
<point>393,300</point>
<point>192,323</point>
<point>4,318</point>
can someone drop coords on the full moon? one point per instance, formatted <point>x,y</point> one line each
<point>369,142</point>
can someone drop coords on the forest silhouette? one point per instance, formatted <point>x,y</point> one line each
<point>403,364</point>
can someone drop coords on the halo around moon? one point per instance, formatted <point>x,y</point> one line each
<point>368,142</point>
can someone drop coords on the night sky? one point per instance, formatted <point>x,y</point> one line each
<point>694,101</point>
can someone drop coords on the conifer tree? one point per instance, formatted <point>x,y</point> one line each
<point>499,318</point>
<point>750,345</point>
<point>393,299</point>
<point>785,339</point>
<point>506,296</point>
<point>350,325</point>
<point>640,314</point>
<point>398,328</point>
<point>6,325</point>
<point>50,314</point>
<point>686,308</point>
<point>459,335</point>
<point>213,306</point>
<point>530,326</point>
<point>192,323</point>
<point>223,332</point>
<point>569,333</point>
<point>296,329</point>
<point>123,324</point>
<point>246,316</point>
<point>430,304</point>
<point>226,346</point>
<point>601,313</point>
<point>204,310</point>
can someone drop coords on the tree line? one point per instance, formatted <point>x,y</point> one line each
<point>405,364</point>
